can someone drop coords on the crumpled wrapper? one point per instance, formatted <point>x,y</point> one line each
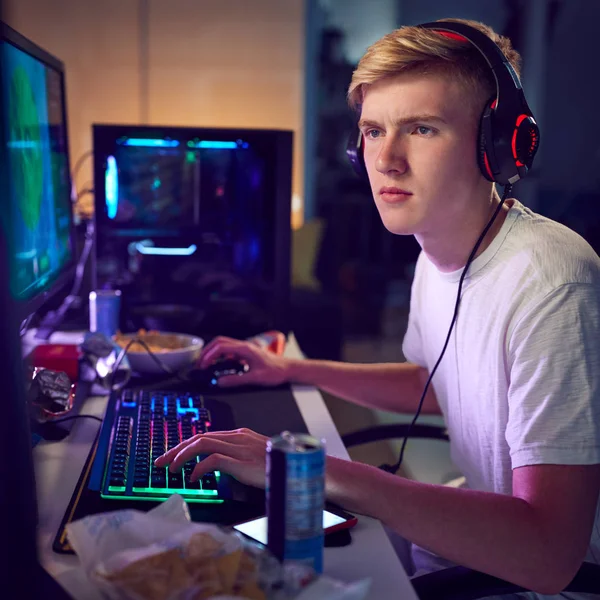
<point>162,555</point>
<point>50,394</point>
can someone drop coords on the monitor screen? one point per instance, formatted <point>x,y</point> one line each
<point>193,224</point>
<point>37,218</point>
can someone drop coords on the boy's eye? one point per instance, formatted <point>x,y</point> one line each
<point>424,130</point>
<point>372,133</point>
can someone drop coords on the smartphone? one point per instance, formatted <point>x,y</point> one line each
<point>333,520</point>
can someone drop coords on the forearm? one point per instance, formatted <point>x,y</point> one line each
<point>498,534</point>
<point>394,387</point>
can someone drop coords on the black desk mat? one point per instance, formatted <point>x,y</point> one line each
<point>267,411</point>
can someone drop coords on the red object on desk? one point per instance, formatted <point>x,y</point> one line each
<point>57,357</point>
<point>273,340</point>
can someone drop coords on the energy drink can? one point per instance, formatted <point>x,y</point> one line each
<point>105,306</point>
<point>295,498</point>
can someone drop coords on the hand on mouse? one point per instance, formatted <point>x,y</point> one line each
<point>264,367</point>
<point>240,453</point>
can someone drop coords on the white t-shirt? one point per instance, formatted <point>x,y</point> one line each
<point>519,383</point>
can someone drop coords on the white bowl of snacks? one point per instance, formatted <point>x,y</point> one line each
<point>159,352</point>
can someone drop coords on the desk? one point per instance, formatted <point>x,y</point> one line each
<point>59,464</point>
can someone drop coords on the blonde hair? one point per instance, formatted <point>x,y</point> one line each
<point>412,49</point>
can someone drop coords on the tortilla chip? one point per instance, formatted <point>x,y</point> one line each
<point>153,577</point>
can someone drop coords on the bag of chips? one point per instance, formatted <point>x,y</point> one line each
<point>162,555</point>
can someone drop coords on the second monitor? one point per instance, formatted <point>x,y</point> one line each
<point>193,225</point>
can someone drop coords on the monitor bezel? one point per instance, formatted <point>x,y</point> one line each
<point>27,307</point>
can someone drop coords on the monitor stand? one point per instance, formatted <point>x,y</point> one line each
<point>53,319</point>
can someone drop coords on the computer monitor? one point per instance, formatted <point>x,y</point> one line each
<point>36,215</point>
<point>193,225</point>
<point>20,572</point>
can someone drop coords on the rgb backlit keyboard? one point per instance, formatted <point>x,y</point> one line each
<point>145,425</point>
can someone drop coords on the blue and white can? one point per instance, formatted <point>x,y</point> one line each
<point>105,306</point>
<point>295,496</point>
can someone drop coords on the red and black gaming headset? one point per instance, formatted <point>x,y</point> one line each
<point>508,134</point>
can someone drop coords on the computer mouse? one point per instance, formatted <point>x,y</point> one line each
<point>226,366</point>
<point>223,366</point>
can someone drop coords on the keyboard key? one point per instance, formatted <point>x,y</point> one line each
<point>175,480</point>
<point>158,479</point>
<point>192,485</point>
<point>209,481</point>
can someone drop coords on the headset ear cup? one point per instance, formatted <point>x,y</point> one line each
<point>361,156</point>
<point>526,140</point>
<point>355,153</point>
<point>484,142</point>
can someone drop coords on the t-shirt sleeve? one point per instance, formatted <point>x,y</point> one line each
<point>554,388</point>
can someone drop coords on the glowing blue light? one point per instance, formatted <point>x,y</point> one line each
<point>182,410</point>
<point>23,144</point>
<point>217,145</point>
<point>111,187</point>
<point>151,143</point>
<point>254,248</point>
<point>151,250</point>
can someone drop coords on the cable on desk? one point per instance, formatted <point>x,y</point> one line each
<point>63,419</point>
<point>168,370</point>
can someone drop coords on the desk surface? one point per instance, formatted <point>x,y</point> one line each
<point>59,464</point>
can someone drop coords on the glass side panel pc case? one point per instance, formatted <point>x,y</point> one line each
<point>193,225</point>
<point>36,211</point>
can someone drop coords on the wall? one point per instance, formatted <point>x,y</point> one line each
<point>224,63</point>
<point>572,151</point>
<point>362,23</point>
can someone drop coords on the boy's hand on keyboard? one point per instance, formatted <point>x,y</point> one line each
<point>264,367</point>
<point>240,453</point>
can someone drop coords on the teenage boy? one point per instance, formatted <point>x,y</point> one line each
<point>519,384</point>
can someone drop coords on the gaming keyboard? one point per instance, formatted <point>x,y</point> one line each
<point>143,426</point>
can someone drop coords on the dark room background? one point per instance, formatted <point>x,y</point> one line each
<point>361,272</point>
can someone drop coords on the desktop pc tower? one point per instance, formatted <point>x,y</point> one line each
<point>193,226</point>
